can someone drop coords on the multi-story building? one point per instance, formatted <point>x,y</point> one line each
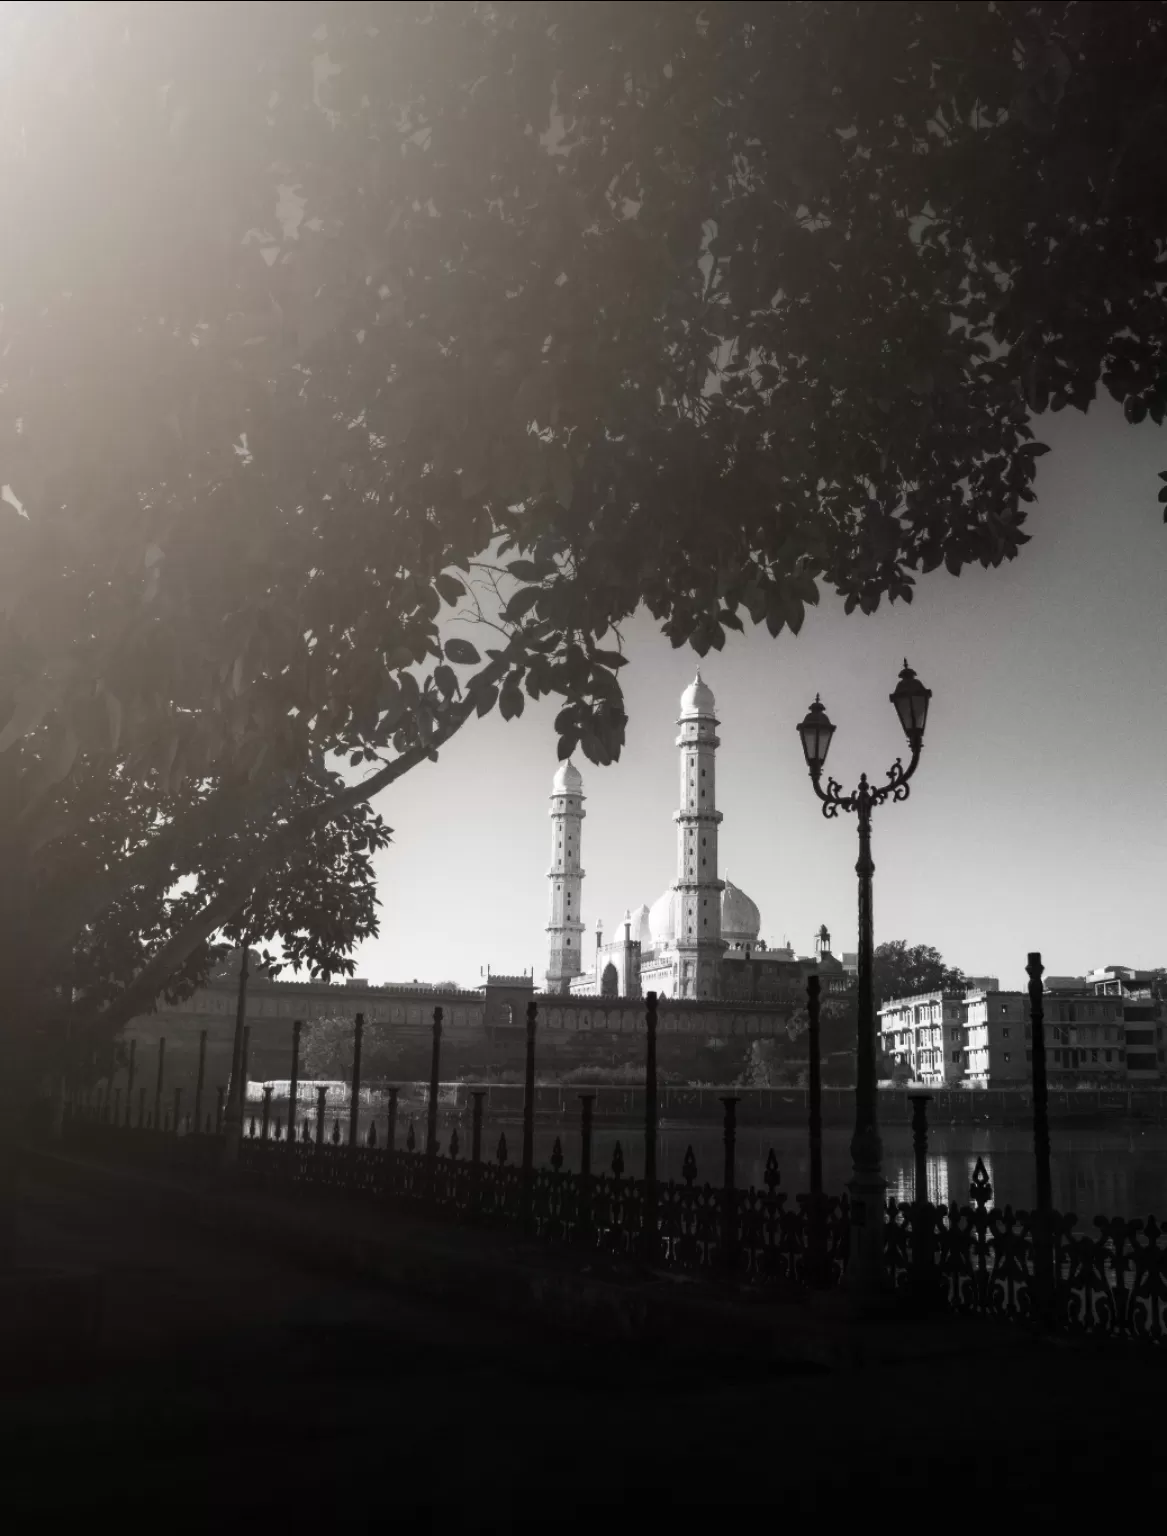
<point>996,1028</point>
<point>1104,1030</point>
<point>1142,995</point>
<point>927,1035</point>
<point>1085,1044</point>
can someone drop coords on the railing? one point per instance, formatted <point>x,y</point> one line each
<point>979,1258</point>
<point>974,1258</point>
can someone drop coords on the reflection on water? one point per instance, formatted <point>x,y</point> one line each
<point>1115,1173</point>
<point>1120,1172</point>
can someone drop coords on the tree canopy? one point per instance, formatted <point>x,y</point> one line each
<point>902,971</point>
<point>326,324</point>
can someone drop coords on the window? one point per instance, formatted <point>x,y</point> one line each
<point>1029,1055</point>
<point>1004,1034</point>
<point>955,1057</point>
<point>1006,1055</point>
<point>1109,1054</point>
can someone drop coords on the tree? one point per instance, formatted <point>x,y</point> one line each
<point>338,320</point>
<point>317,907</point>
<point>898,971</point>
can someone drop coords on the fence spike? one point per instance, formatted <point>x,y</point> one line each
<point>411,1139</point>
<point>371,1138</point>
<point>772,1176</point>
<point>980,1190</point>
<point>618,1160</point>
<point>502,1148</point>
<point>336,1132</point>
<point>454,1142</point>
<point>689,1166</point>
<point>557,1155</point>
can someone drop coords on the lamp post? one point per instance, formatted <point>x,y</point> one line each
<point>867,1186</point>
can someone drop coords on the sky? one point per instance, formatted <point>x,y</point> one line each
<point>1036,818</point>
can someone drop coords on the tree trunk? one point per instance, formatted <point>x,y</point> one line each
<point>233,1118</point>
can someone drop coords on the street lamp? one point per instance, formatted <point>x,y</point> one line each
<point>867,1186</point>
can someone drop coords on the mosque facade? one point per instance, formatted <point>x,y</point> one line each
<point>701,938</point>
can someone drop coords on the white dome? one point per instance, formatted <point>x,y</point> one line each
<point>662,920</point>
<point>568,779</point>
<point>697,698</point>
<point>741,922</point>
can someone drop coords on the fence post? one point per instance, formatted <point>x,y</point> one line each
<point>177,1101</point>
<point>294,1084</point>
<point>922,1212</point>
<point>130,1079</point>
<point>243,1081</point>
<point>650,1131</point>
<point>141,1106</point>
<point>476,1125</point>
<point>391,1133</point>
<point>1043,1234</point>
<point>431,1145</point>
<point>354,1113</point>
<point>321,1110</point>
<point>199,1082</point>
<point>586,1104</point>
<point>267,1092</point>
<point>817,1234</point>
<point>158,1084</point>
<point>529,1116</point>
<point>219,1092</point>
<point>729,1191</point>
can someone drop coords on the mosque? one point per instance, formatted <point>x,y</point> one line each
<point>701,937</point>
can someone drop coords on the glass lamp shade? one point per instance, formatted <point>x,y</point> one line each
<point>911,701</point>
<point>816,732</point>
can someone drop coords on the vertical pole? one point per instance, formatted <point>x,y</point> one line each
<point>816,1246</point>
<point>200,1081</point>
<point>529,1115</point>
<point>868,1186</point>
<point>435,1066</point>
<point>478,1095</point>
<point>321,1110</point>
<point>294,1084</point>
<point>586,1103</point>
<point>267,1092</point>
<point>158,1084</point>
<point>1043,1244</point>
<point>391,1134</point>
<point>243,1079</point>
<point>729,1186</point>
<point>220,1093</point>
<point>130,1078</point>
<point>141,1105</point>
<point>177,1101</point>
<point>922,1213</point>
<point>650,1130</point>
<point>816,1087</point>
<point>354,1113</point>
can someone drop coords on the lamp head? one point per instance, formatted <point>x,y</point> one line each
<point>816,732</point>
<point>911,701</point>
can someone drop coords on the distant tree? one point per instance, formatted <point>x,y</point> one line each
<point>900,971</point>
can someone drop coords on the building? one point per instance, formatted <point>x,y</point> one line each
<point>701,938</point>
<point>927,1035</point>
<point>1142,995</point>
<point>996,1029</point>
<point>1104,1030</point>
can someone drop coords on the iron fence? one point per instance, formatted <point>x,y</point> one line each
<point>976,1258</point>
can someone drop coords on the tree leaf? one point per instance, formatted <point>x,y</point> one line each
<point>461,652</point>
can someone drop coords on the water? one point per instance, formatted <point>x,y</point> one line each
<point>1117,1172</point>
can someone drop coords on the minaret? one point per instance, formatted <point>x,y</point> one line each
<point>698,900</point>
<point>565,930</point>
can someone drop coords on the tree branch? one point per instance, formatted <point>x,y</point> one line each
<point>288,842</point>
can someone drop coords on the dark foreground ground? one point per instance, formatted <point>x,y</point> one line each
<point>229,1386</point>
